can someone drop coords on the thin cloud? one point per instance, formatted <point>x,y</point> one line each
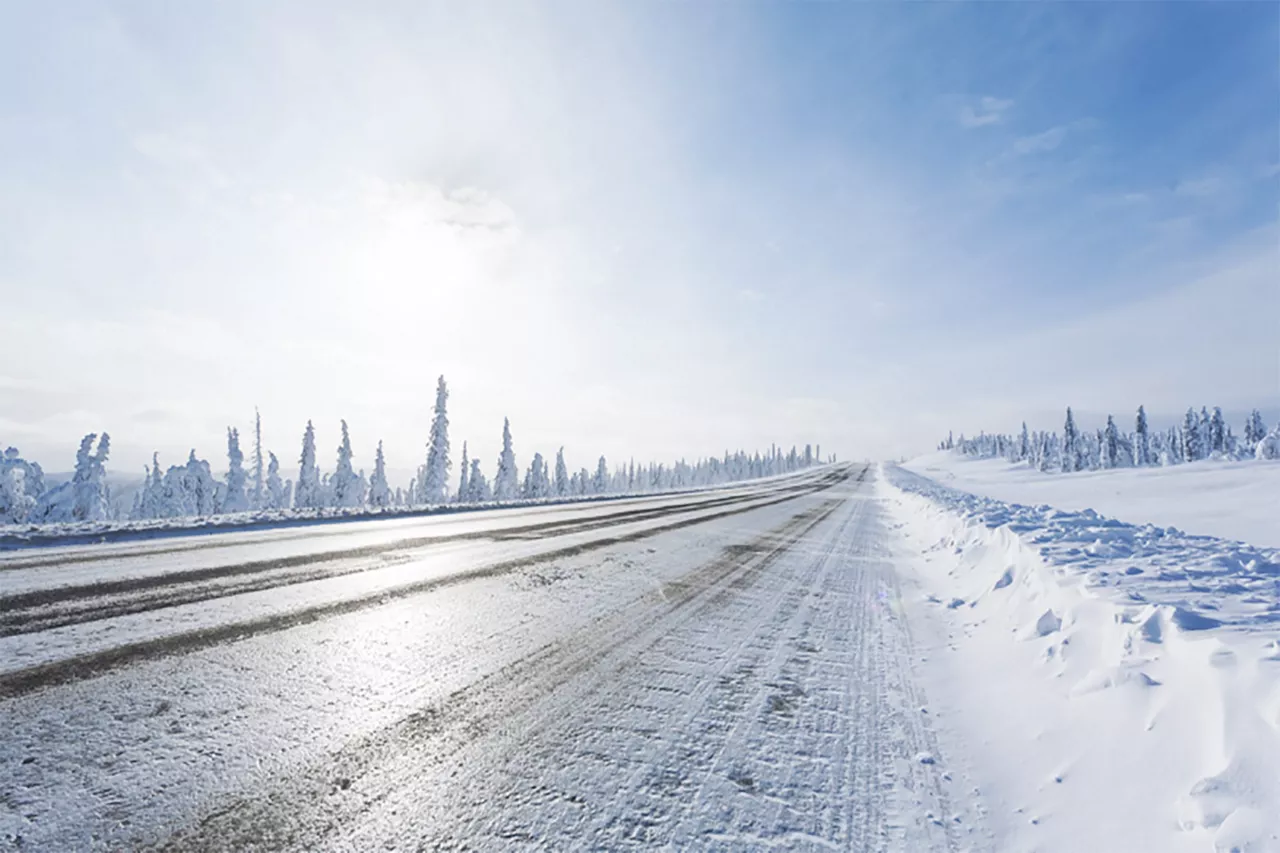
<point>988,110</point>
<point>1040,142</point>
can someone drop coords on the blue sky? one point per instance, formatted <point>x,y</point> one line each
<point>649,228</point>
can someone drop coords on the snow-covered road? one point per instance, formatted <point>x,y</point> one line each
<point>723,670</point>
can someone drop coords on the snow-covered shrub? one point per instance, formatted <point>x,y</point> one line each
<point>1269,446</point>
<point>21,484</point>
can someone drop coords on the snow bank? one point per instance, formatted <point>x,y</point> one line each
<point>1231,500</point>
<point>1111,686</point>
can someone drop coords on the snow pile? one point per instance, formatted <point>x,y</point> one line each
<point>1117,686</point>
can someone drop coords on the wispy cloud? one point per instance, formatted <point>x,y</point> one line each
<point>1039,142</point>
<point>985,111</point>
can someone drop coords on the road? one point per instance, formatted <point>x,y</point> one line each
<point>718,670</point>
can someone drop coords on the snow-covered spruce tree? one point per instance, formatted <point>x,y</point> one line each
<point>600,483</point>
<point>477,485</point>
<point>1142,440</point>
<point>1070,444</point>
<point>1173,445</point>
<point>153,492</point>
<point>1217,432</point>
<point>92,495</point>
<point>279,492</point>
<point>434,482</point>
<point>1024,445</point>
<point>345,484</point>
<point>560,485</point>
<point>1192,443</point>
<point>307,494</point>
<point>1048,451</point>
<point>1110,445</point>
<point>465,471</point>
<point>1254,429</point>
<point>541,483</point>
<point>235,499</point>
<point>257,493</point>
<point>506,484</point>
<point>379,491</point>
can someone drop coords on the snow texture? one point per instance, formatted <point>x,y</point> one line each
<point>1117,686</point>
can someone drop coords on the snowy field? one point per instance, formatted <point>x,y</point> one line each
<point>1229,500</point>
<point>1114,686</point>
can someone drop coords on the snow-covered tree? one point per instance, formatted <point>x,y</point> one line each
<point>345,484</point>
<point>1269,446</point>
<point>477,485</point>
<point>599,483</point>
<point>379,491</point>
<point>235,499</point>
<point>257,493</point>
<point>506,484</point>
<point>1070,444</point>
<point>1174,446</point>
<point>536,482</point>
<point>21,485</point>
<point>1142,440</point>
<point>1110,445</point>
<point>308,494</point>
<point>561,484</point>
<point>1254,429</point>
<point>1217,432</point>
<point>15,503</point>
<point>185,490</point>
<point>279,492</point>
<point>1192,441</point>
<point>85,497</point>
<point>464,473</point>
<point>434,480</point>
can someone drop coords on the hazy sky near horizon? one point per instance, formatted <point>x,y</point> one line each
<point>647,228</point>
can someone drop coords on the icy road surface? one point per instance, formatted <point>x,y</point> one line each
<point>721,670</point>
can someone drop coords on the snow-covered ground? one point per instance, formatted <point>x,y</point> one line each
<point>1229,500</point>
<point>738,678</point>
<point>1109,686</point>
<point>844,659</point>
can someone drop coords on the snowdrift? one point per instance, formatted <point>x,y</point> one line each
<point>1117,685</point>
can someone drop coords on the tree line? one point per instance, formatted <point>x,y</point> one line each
<point>1200,435</point>
<point>256,484</point>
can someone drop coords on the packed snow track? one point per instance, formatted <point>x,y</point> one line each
<point>718,670</point>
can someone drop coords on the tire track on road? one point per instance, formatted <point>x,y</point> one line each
<point>311,804</point>
<point>88,665</point>
<point>61,606</point>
